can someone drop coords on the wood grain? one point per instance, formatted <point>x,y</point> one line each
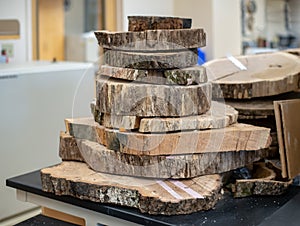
<point>152,196</point>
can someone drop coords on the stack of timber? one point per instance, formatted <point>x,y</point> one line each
<point>156,140</point>
<point>251,84</point>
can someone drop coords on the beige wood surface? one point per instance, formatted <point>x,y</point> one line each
<point>152,196</point>
<point>63,216</point>
<point>288,130</point>
<point>261,75</point>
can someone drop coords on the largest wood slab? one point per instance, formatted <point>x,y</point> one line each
<point>167,197</point>
<point>151,61</point>
<point>104,160</point>
<point>120,97</point>
<point>238,137</point>
<point>257,76</point>
<point>153,40</point>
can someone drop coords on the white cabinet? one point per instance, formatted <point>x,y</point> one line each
<point>35,98</point>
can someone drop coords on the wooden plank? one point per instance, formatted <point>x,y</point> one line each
<point>265,75</point>
<point>102,159</point>
<point>142,23</point>
<point>152,196</point>
<point>119,97</point>
<point>184,76</point>
<point>151,61</point>
<point>63,216</point>
<point>237,137</point>
<point>152,40</point>
<point>288,127</point>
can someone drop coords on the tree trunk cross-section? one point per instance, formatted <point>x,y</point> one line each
<point>153,40</point>
<point>151,61</point>
<point>263,75</point>
<point>238,137</point>
<point>142,23</point>
<point>263,183</point>
<point>152,196</point>
<point>101,159</point>
<point>120,97</point>
<point>219,116</point>
<point>184,76</point>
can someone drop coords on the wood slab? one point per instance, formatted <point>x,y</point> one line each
<point>120,97</point>
<point>264,75</point>
<point>152,40</point>
<point>151,61</point>
<point>237,137</point>
<point>152,196</point>
<point>104,160</point>
<point>173,166</point>
<point>142,23</point>
<point>259,107</point>
<point>68,149</point>
<point>288,130</point>
<point>263,182</point>
<point>184,76</point>
<point>218,116</point>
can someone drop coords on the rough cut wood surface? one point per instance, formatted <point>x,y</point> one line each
<point>151,61</point>
<point>237,137</point>
<point>152,40</point>
<point>120,97</point>
<point>259,107</point>
<point>68,149</point>
<point>266,75</point>
<point>219,116</point>
<point>101,159</point>
<point>153,196</point>
<point>184,76</point>
<point>142,23</point>
<point>263,183</point>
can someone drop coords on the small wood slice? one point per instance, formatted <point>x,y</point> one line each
<point>184,76</point>
<point>263,183</point>
<point>152,40</point>
<point>152,196</point>
<point>151,61</point>
<point>142,23</point>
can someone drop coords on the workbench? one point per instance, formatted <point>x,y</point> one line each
<point>267,210</point>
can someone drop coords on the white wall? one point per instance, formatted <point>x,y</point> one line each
<point>144,7</point>
<point>220,20</point>
<point>74,18</point>
<point>20,10</point>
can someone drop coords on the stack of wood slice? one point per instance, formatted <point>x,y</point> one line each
<point>157,141</point>
<point>251,84</point>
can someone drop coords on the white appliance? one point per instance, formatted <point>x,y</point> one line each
<point>35,98</point>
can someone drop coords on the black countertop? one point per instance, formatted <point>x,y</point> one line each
<point>229,211</point>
